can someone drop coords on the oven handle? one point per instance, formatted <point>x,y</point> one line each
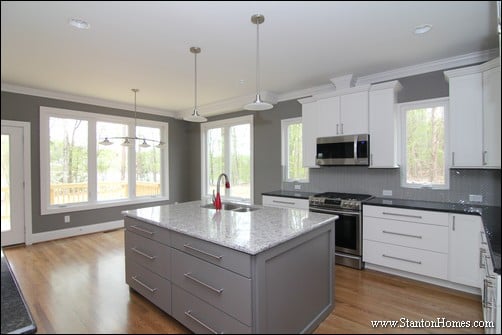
<point>334,212</point>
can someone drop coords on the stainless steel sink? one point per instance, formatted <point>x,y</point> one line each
<point>232,207</point>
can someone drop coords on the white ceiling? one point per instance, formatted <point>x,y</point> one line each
<point>146,45</point>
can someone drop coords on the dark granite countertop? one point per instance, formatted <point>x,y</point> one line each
<point>490,216</point>
<point>290,194</point>
<point>16,317</point>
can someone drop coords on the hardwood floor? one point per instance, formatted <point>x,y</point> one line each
<point>77,285</point>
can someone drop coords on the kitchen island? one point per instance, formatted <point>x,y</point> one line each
<point>268,270</point>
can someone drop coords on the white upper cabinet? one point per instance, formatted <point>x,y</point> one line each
<point>310,125</point>
<point>329,123</point>
<point>491,117</point>
<point>383,125</point>
<point>475,116</point>
<point>354,113</point>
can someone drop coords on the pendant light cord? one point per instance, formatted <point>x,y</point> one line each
<point>257,58</point>
<point>195,85</point>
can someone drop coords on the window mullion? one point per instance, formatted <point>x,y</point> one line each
<point>132,163</point>
<point>92,170</point>
<point>227,154</point>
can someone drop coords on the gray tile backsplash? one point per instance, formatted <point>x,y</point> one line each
<point>358,179</point>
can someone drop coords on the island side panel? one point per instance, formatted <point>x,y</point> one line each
<point>294,283</point>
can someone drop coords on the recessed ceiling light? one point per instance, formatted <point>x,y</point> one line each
<point>422,29</point>
<point>79,23</point>
<point>242,81</point>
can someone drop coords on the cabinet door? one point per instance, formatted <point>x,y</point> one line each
<point>491,118</point>
<point>466,121</point>
<point>354,113</point>
<point>310,121</point>
<point>383,129</point>
<point>329,117</point>
<point>463,255</point>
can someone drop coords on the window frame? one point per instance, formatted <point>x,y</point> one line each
<point>285,123</point>
<point>226,123</point>
<point>92,118</point>
<point>428,103</point>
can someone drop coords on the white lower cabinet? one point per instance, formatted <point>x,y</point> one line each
<point>429,243</point>
<point>464,249</point>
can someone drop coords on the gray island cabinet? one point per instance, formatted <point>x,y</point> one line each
<point>265,271</point>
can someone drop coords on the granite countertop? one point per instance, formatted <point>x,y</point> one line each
<point>290,194</point>
<point>490,216</point>
<point>16,317</point>
<point>249,232</point>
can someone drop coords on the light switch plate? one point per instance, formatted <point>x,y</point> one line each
<point>66,219</point>
<point>387,193</point>
<point>475,197</point>
<point>298,187</point>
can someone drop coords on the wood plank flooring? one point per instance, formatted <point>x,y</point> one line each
<point>77,285</point>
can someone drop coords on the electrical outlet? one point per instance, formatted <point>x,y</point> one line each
<point>298,187</point>
<point>387,193</point>
<point>66,219</point>
<point>475,197</point>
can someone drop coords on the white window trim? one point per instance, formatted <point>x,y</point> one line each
<point>204,127</point>
<point>425,104</point>
<point>92,118</point>
<point>285,123</point>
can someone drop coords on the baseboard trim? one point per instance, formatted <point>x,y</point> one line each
<point>75,231</point>
<point>426,279</point>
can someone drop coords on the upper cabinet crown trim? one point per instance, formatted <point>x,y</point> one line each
<point>396,85</point>
<point>472,69</point>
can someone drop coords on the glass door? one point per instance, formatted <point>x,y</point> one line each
<point>12,185</point>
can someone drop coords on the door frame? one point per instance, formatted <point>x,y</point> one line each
<point>26,175</point>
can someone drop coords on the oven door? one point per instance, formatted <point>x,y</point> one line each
<point>348,234</point>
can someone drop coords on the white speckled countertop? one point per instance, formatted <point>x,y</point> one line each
<point>249,232</point>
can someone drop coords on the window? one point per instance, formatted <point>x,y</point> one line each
<point>424,144</point>
<point>227,148</point>
<point>292,151</point>
<point>78,173</point>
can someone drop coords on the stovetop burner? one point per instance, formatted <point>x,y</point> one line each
<point>334,200</point>
<point>343,196</point>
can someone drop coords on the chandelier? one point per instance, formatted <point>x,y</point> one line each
<point>130,140</point>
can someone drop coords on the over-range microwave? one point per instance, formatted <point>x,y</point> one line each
<point>343,150</point>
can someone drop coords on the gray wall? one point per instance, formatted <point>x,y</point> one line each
<point>20,107</point>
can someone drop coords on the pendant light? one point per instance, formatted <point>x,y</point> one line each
<point>129,141</point>
<point>258,104</point>
<point>195,117</point>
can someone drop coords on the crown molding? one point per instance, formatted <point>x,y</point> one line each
<point>83,99</point>
<point>230,105</point>
<point>441,64</point>
<point>472,69</point>
<point>306,92</point>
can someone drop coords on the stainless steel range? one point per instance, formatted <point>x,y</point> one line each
<point>348,228</point>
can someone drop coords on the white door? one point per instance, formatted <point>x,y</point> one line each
<point>12,185</point>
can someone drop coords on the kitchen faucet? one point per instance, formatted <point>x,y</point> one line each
<point>217,198</point>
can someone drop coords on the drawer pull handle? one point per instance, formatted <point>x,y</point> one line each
<point>405,215</point>
<point>143,254</point>
<point>481,258</point>
<point>402,259</point>
<point>283,202</point>
<point>188,246</point>
<point>401,234</point>
<point>203,324</point>
<point>152,290</point>
<point>149,232</point>
<point>189,276</point>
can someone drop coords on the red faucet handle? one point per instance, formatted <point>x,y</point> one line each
<point>227,184</point>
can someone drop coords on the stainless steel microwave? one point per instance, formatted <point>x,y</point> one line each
<point>343,150</point>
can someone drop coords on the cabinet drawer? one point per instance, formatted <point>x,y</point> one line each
<point>406,234</point>
<point>284,202</point>
<point>147,230</point>
<point>225,257</point>
<point>150,285</point>
<point>221,288</point>
<point>402,214</point>
<point>150,254</point>
<point>203,318</point>
<point>423,262</point>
